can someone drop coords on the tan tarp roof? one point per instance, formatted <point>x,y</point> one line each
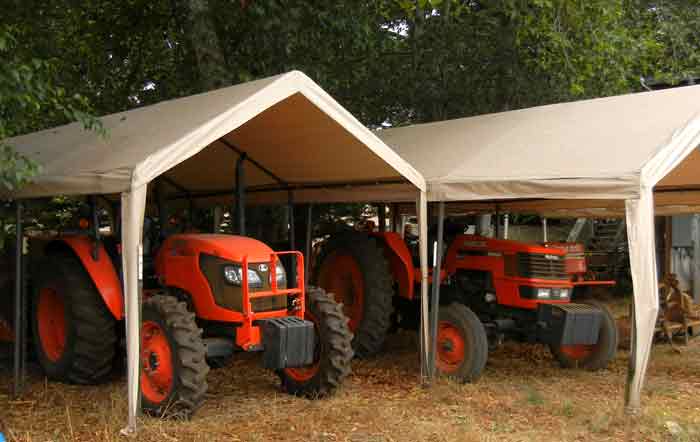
<point>287,123</point>
<point>582,150</point>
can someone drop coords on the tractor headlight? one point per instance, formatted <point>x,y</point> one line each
<point>280,275</point>
<point>233,274</point>
<point>544,293</point>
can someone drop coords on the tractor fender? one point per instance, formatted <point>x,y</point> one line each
<point>101,271</point>
<point>400,261</point>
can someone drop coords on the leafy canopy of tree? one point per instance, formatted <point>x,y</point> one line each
<point>29,100</point>
<point>390,62</point>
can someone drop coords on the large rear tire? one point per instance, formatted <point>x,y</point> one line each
<point>352,266</point>
<point>591,357</point>
<point>462,346</point>
<point>173,366</point>
<point>74,332</point>
<point>333,353</point>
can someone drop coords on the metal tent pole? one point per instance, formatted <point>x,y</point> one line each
<point>307,250</point>
<point>381,217</point>
<point>240,195</point>
<point>695,234</point>
<point>423,246</point>
<point>18,368</point>
<point>544,230</point>
<point>435,300</point>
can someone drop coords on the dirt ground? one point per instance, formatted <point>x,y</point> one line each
<point>523,396</point>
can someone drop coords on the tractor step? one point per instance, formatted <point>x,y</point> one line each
<point>219,347</point>
<point>289,342</point>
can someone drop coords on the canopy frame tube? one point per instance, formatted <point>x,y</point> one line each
<point>435,299</point>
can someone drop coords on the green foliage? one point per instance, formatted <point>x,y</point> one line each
<point>390,62</point>
<point>30,100</point>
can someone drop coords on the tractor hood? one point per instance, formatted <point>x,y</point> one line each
<point>229,247</point>
<point>476,242</point>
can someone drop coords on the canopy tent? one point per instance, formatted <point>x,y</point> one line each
<point>615,148</point>
<point>294,137</point>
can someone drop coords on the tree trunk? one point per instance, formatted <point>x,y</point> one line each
<point>211,64</point>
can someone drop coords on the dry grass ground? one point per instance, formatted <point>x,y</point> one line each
<point>523,396</point>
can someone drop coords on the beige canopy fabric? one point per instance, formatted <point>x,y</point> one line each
<point>286,123</point>
<point>577,157</point>
<point>585,149</point>
<point>295,137</point>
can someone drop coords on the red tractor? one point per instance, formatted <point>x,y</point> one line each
<point>205,297</point>
<point>491,289</point>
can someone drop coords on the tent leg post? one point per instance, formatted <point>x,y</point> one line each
<point>423,246</point>
<point>307,248</point>
<point>19,332</point>
<point>240,195</point>
<point>640,228</point>
<point>435,300</point>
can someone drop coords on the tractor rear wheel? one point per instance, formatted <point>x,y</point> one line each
<point>333,353</point>
<point>353,268</point>
<point>74,332</point>
<point>462,347</point>
<point>591,357</point>
<point>173,367</point>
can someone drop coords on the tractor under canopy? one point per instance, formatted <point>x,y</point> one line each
<point>617,154</point>
<point>296,141</point>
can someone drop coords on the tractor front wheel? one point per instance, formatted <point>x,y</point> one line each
<point>173,367</point>
<point>462,347</point>
<point>333,350</point>
<point>591,357</point>
<point>74,333</point>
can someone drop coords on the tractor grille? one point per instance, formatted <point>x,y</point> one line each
<point>230,296</point>
<point>541,266</point>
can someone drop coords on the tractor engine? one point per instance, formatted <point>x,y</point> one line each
<point>225,281</point>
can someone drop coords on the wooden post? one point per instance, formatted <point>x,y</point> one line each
<point>695,232</point>
<point>668,245</point>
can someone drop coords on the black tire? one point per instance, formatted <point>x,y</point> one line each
<point>90,328</point>
<point>468,368</point>
<point>333,349</point>
<point>188,385</point>
<point>603,352</point>
<point>373,326</point>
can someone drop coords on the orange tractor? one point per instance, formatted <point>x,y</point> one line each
<point>205,297</point>
<point>491,289</point>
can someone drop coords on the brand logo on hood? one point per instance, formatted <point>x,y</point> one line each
<point>263,268</point>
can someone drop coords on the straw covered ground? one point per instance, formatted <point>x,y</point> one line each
<point>523,396</point>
